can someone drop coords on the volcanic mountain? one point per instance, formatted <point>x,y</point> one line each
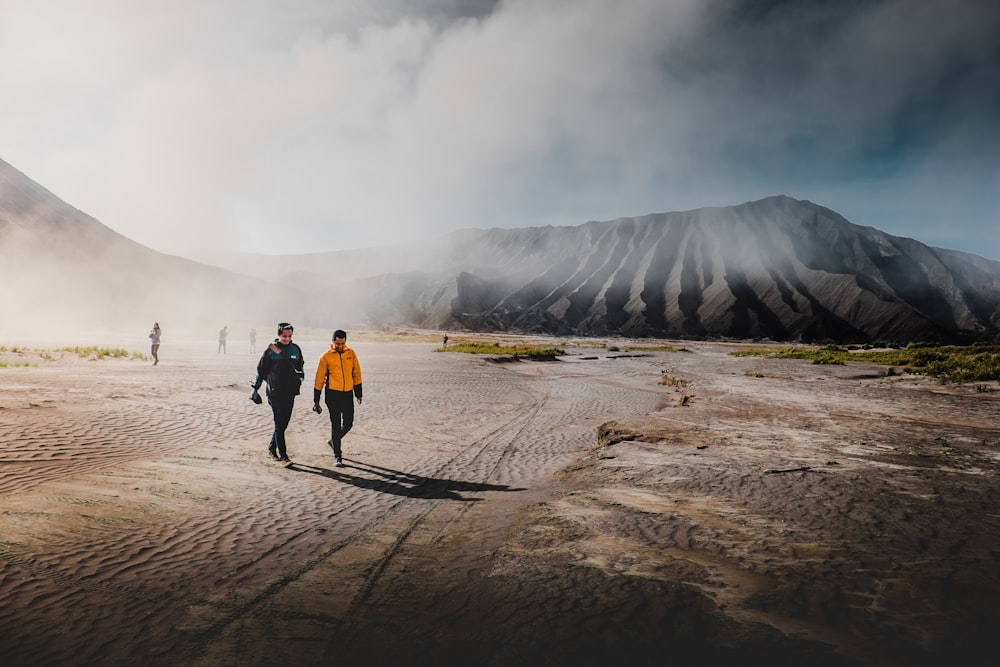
<point>778,268</point>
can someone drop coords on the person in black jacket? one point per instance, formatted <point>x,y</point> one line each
<point>281,366</point>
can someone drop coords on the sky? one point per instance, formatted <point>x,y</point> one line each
<point>302,126</point>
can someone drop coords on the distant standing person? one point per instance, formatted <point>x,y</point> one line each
<point>154,342</point>
<point>223,332</point>
<point>339,372</point>
<point>281,366</point>
<point>253,341</point>
<point>445,340</point>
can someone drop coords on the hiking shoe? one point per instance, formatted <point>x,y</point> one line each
<point>285,461</point>
<point>340,462</point>
<point>273,454</point>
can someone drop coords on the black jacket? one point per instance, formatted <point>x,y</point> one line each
<point>282,370</point>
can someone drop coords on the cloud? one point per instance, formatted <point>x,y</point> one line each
<point>315,126</point>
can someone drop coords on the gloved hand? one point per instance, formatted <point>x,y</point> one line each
<point>318,410</point>
<point>255,397</point>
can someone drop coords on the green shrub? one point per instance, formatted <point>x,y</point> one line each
<point>828,358</point>
<point>519,350</point>
<point>949,363</point>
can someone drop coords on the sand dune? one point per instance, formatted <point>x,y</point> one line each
<point>480,521</point>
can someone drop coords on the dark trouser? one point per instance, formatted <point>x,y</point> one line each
<point>281,406</point>
<point>154,349</point>
<point>340,405</point>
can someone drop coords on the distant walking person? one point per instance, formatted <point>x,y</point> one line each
<point>253,341</point>
<point>223,332</point>
<point>340,374</point>
<point>281,366</point>
<point>154,340</point>
<point>445,340</point>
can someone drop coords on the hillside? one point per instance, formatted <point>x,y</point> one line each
<point>71,272</point>
<point>778,268</point>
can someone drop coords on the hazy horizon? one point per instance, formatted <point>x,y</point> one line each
<point>77,278</point>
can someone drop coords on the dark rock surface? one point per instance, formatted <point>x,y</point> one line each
<point>778,268</point>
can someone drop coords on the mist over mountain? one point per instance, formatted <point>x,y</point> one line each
<point>778,268</point>
<point>66,272</point>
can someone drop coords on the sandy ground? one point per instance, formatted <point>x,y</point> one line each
<point>661,508</point>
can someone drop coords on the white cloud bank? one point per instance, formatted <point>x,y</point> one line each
<point>305,125</point>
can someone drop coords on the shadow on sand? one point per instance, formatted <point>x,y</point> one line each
<point>402,483</point>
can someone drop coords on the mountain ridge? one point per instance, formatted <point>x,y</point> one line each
<point>777,268</point>
<point>74,272</point>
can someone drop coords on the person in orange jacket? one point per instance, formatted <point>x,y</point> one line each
<point>339,372</point>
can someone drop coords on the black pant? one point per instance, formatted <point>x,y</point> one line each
<point>281,406</point>
<point>340,405</point>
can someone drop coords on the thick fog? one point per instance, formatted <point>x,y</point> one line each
<point>297,127</point>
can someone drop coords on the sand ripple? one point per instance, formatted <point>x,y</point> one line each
<point>149,524</point>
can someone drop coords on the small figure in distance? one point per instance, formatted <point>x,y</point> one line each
<point>253,341</point>
<point>223,332</point>
<point>339,372</point>
<point>281,366</point>
<point>445,340</point>
<point>154,343</point>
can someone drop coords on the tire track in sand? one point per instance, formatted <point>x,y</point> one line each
<point>233,595</point>
<point>418,525</point>
<point>475,452</point>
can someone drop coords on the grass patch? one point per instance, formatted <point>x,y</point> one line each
<point>84,352</point>
<point>660,347</point>
<point>949,363</point>
<point>496,349</point>
<point>94,352</point>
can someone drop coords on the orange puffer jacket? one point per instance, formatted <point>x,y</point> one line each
<point>338,372</point>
